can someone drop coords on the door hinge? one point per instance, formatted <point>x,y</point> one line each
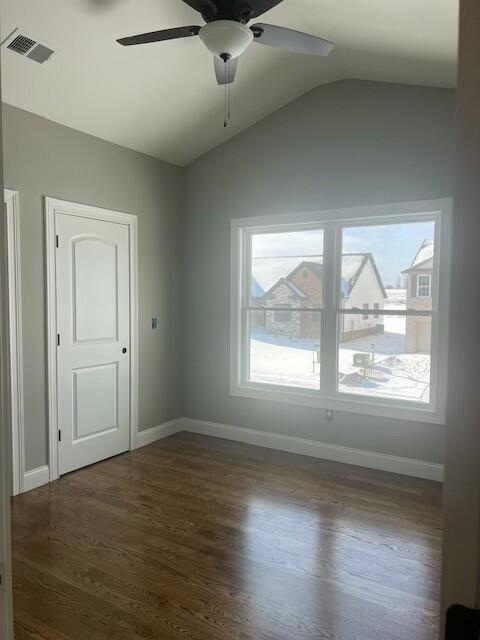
<point>2,574</point>
<point>59,435</point>
<point>56,240</point>
<point>58,339</point>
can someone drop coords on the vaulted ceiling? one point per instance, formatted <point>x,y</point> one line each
<point>162,99</point>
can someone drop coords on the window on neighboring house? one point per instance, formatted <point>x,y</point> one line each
<point>424,286</point>
<point>316,350</point>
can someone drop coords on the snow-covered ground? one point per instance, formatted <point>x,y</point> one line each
<point>281,361</point>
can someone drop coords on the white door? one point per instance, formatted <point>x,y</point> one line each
<point>93,354</point>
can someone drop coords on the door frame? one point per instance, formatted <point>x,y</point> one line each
<point>6,605</point>
<point>12,211</point>
<point>52,207</point>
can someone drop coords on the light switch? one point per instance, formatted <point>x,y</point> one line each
<point>154,323</point>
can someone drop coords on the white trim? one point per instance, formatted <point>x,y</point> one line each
<point>291,444</point>
<point>53,206</point>
<point>41,475</point>
<point>147,436</point>
<point>6,605</point>
<point>349,403</point>
<point>36,478</point>
<point>12,209</point>
<point>280,442</point>
<point>327,398</point>
<point>317,449</point>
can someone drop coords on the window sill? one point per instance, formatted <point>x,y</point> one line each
<point>392,409</point>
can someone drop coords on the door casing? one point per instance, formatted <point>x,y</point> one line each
<point>52,207</point>
<point>12,210</point>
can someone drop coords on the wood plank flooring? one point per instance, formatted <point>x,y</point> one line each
<point>197,538</point>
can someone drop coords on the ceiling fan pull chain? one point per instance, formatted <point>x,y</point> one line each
<point>229,90</point>
<point>225,98</point>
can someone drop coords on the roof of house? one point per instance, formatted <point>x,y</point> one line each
<point>423,255</point>
<point>352,266</point>
<point>292,286</point>
<point>316,267</point>
<point>267,271</point>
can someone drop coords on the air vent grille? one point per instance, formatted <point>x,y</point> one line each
<point>27,47</point>
<point>22,45</point>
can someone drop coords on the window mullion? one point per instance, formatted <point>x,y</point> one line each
<point>328,345</point>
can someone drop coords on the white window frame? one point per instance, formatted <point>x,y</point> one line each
<point>423,286</point>
<point>333,222</point>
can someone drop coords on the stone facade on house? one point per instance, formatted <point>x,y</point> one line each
<point>281,320</point>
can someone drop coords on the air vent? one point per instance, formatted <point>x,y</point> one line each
<point>21,44</point>
<point>40,53</point>
<point>28,47</point>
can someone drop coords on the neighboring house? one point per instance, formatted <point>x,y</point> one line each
<point>419,296</point>
<point>361,288</point>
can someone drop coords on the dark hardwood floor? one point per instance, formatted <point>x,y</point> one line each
<point>197,538</point>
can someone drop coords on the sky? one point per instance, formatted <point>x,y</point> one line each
<point>393,246</point>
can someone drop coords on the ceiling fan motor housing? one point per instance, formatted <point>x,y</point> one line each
<point>226,37</point>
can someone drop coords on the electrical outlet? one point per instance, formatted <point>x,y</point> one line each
<point>154,323</point>
<point>329,413</point>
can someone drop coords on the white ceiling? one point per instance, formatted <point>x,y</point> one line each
<point>162,99</point>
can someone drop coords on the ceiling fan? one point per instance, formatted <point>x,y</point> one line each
<point>227,35</point>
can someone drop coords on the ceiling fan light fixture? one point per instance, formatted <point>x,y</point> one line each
<point>226,37</point>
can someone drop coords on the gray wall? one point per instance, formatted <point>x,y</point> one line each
<point>43,158</point>
<point>346,144</point>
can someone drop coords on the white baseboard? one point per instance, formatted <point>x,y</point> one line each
<point>157,433</point>
<point>313,448</point>
<point>36,478</point>
<point>316,449</point>
<point>41,475</point>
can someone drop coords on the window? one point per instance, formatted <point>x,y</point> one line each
<point>424,285</point>
<point>330,323</point>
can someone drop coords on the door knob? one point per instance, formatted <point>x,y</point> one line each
<point>124,350</point>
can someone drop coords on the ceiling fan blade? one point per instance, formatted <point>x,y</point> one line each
<point>159,36</point>
<point>206,8</point>
<point>260,6</point>
<point>295,41</point>
<point>225,71</point>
